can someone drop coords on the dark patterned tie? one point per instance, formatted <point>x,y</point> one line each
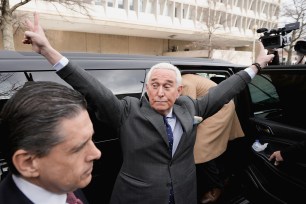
<point>169,134</point>
<point>72,199</point>
<point>170,139</point>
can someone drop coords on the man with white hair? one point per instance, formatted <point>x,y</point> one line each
<point>157,132</point>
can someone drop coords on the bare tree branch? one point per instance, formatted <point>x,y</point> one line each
<point>9,18</point>
<point>295,12</point>
<point>21,3</point>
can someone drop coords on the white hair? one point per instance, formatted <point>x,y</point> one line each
<point>165,65</point>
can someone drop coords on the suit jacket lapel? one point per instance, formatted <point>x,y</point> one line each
<point>183,117</point>
<point>155,118</point>
<point>186,122</point>
<point>157,121</point>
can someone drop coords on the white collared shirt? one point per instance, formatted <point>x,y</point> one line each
<point>176,128</point>
<point>37,194</point>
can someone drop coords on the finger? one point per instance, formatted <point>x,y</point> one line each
<point>271,57</point>
<point>260,44</point>
<point>262,49</point>
<point>27,42</point>
<point>28,34</point>
<point>276,163</point>
<point>29,24</point>
<point>36,21</point>
<point>272,156</point>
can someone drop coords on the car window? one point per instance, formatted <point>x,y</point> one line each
<point>263,93</point>
<point>10,82</point>
<point>120,82</point>
<point>278,96</point>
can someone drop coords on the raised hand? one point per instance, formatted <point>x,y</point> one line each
<point>35,36</point>
<point>263,58</point>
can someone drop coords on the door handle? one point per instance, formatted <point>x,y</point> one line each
<point>264,129</point>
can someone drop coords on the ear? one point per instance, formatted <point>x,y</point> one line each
<point>25,163</point>
<point>179,90</point>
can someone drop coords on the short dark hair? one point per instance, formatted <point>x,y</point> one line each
<point>31,117</point>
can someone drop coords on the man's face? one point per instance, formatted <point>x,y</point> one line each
<point>69,164</point>
<point>163,90</point>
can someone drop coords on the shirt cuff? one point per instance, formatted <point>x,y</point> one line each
<point>61,64</point>
<point>251,72</point>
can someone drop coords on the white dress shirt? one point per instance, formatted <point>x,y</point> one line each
<point>37,194</point>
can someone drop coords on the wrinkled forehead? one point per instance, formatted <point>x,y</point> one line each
<point>163,74</point>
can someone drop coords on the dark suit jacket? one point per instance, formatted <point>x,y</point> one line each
<point>147,167</point>
<point>295,153</point>
<point>10,193</point>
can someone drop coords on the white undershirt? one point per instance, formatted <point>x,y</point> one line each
<point>37,194</point>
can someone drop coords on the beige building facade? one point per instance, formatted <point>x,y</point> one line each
<point>156,27</point>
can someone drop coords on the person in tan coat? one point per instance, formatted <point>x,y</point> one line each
<point>213,135</point>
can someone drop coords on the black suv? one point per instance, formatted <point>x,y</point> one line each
<point>271,109</point>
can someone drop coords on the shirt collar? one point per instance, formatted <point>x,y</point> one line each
<point>37,194</point>
<point>170,114</point>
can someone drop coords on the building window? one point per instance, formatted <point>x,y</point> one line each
<point>120,4</point>
<point>110,3</point>
<point>132,4</point>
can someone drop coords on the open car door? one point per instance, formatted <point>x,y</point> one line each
<point>275,114</point>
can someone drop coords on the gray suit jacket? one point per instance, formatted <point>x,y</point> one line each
<point>147,167</point>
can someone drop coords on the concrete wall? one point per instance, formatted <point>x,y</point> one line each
<point>116,44</point>
<point>98,43</point>
<point>236,57</point>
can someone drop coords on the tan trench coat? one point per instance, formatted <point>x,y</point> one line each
<point>214,132</point>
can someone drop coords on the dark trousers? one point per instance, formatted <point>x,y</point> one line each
<point>210,175</point>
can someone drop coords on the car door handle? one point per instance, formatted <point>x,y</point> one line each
<point>264,129</point>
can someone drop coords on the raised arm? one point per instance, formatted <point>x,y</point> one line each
<point>227,89</point>
<point>105,104</point>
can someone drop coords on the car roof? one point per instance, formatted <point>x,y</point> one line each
<point>26,61</point>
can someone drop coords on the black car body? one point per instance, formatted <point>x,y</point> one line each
<point>271,109</point>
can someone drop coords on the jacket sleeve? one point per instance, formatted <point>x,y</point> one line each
<point>222,93</point>
<point>295,153</point>
<point>102,101</point>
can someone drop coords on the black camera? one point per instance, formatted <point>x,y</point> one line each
<point>277,38</point>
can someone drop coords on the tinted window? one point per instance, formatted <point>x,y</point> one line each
<point>121,81</point>
<point>10,82</point>
<point>263,93</point>
<point>279,96</point>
